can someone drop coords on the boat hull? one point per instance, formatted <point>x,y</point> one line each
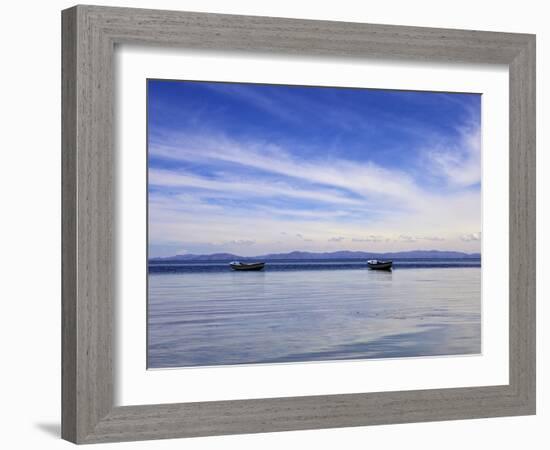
<point>386,265</point>
<point>247,267</point>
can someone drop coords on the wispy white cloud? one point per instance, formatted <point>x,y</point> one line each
<point>256,98</point>
<point>245,242</point>
<point>459,165</point>
<point>292,108</point>
<point>406,238</point>
<point>372,207</point>
<point>365,180</point>
<point>252,188</point>
<point>192,222</point>
<point>371,238</point>
<point>470,237</point>
<point>337,239</point>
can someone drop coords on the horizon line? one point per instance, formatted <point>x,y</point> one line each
<point>317,253</point>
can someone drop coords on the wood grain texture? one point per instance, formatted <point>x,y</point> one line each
<point>522,224</point>
<point>68,226</point>
<point>88,209</point>
<point>89,36</point>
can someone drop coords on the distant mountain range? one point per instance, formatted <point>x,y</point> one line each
<point>344,254</point>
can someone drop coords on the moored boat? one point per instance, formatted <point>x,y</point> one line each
<point>238,265</point>
<point>376,264</point>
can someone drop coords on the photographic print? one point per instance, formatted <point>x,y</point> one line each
<point>292,224</point>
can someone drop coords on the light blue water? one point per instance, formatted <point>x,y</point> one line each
<point>225,317</point>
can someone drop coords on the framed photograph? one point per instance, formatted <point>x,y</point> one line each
<point>278,224</point>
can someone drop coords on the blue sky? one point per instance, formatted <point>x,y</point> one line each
<point>253,169</point>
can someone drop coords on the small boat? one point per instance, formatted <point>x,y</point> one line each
<point>376,264</point>
<point>238,265</point>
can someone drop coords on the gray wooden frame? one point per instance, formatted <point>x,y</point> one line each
<point>89,36</point>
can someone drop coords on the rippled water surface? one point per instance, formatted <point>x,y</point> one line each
<point>217,316</point>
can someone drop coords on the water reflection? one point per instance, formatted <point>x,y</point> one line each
<point>257,317</point>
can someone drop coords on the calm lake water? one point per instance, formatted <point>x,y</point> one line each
<point>204,314</point>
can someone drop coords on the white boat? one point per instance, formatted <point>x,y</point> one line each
<point>377,264</point>
<point>238,265</point>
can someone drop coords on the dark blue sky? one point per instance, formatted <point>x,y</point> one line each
<point>318,168</point>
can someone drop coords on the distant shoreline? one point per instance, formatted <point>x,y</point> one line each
<point>299,255</point>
